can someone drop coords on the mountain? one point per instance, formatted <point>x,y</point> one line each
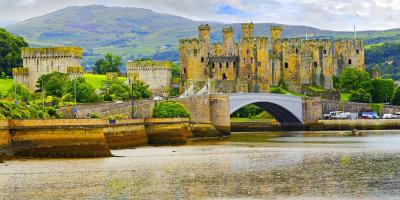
<point>135,32</point>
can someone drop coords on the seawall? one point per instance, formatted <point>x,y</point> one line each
<point>58,138</point>
<point>87,137</point>
<point>360,124</point>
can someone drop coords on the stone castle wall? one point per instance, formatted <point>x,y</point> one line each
<point>41,61</point>
<point>295,62</point>
<point>156,74</point>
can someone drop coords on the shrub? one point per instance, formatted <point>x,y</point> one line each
<point>277,90</point>
<point>94,115</point>
<point>170,109</point>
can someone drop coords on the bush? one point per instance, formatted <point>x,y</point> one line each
<point>22,93</point>
<point>94,116</point>
<point>277,90</point>
<point>170,109</point>
<point>382,90</point>
<point>396,97</point>
<point>361,96</point>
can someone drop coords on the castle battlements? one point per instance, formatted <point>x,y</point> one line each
<point>51,52</point>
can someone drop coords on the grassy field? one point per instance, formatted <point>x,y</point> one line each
<point>97,80</point>
<point>5,85</point>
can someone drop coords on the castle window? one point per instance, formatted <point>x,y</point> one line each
<point>213,65</point>
<point>349,61</point>
<point>324,51</point>
<point>184,70</point>
<point>286,65</point>
<point>248,51</point>
<point>224,76</point>
<point>252,60</point>
<point>358,51</point>
<point>234,64</point>
<point>315,64</point>
<point>195,52</point>
<point>259,64</point>
<point>202,59</point>
<point>227,65</point>
<point>297,51</point>
<point>220,65</point>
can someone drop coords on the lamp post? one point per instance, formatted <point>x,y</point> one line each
<point>15,92</point>
<point>75,109</point>
<point>132,100</point>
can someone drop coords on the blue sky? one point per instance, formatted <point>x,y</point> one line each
<point>324,14</point>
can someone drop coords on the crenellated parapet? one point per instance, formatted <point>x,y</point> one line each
<point>52,52</point>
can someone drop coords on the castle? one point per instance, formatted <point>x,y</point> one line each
<point>155,74</point>
<point>41,61</point>
<point>257,63</point>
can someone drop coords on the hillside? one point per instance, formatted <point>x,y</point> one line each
<point>134,32</point>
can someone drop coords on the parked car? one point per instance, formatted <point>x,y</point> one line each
<point>389,116</point>
<point>337,115</point>
<point>369,115</point>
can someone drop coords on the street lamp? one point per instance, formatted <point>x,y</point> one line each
<point>75,109</point>
<point>15,92</point>
<point>132,100</point>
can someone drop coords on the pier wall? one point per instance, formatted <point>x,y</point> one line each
<point>87,137</point>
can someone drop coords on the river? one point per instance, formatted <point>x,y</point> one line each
<point>287,165</point>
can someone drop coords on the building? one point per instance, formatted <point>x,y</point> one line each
<point>155,74</point>
<point>254,64</point>
<point>41,61</point>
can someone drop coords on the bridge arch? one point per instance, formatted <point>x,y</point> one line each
<point>288,110</point>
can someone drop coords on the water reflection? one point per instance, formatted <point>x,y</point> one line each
<point>249,165</point>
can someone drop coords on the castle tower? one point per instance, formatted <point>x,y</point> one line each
<point>41,61</point>
<point>247,30</point>
<point>228,44</point>
<point>276,33</point>
<point>204,34</point>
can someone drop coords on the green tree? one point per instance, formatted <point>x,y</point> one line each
<point>361,96</point>
<point>141,90</point>
<point>382,90</point>
<point>396,97</point>
<point>85,93</point>
<point>248,111</point>
<point>10,51</point>
<point>109,63</point>
<point>20,92</point>
<point>116,90</point>
<point>352,79</point>
<point>53,83</point>
<point>170,109</point>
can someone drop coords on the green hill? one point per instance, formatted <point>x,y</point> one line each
<point>134,32</point>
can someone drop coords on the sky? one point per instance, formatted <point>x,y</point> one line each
<point>324,14</point>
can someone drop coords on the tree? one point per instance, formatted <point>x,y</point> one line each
<point>53,83</point>
<point>352,79</point>
<point>20,92</point>
<point>361,96</point>
<point>109,63</point>
<point>248,111</point>
<point>382,90</point>
<point>85,93</point>
<point>141,90</point>
<point>170,109</point>
<point>116,90</point>
<point>396,97</point>
<point>10,51</point>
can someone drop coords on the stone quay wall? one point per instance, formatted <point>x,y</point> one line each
<point>87,137</point>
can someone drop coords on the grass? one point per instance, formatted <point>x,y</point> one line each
<point>97,80</point>
<point>5,85</point>
<point>344,97</point>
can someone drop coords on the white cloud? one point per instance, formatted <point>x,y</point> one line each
<point>326,14</point>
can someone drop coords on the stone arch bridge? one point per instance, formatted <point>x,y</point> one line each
<point>210,113</point>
